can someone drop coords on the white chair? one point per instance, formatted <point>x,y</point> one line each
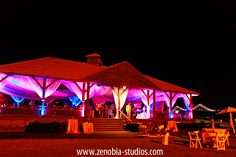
<point>194,139</point>
<point>220,141</point>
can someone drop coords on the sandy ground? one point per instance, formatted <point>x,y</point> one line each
<point>41,145</point>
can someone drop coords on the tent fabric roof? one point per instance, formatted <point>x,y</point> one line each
<point>165,86</point>
<point>51,67</point>
<point>227,110</point>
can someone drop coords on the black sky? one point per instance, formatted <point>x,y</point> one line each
<point>186,43</point>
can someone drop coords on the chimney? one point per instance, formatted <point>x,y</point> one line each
<point>94,59</point>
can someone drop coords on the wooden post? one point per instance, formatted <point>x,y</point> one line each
<point>170,110</point>
<point>154,105</point>
<point>43,96</point>
<point>231,122</point>
<point>83,98</point>
<point>190,115</point>
<point>87,102</point>
<point>118,96</point>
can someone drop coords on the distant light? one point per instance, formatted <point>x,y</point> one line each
<point>177,111</point>
<point>124,87</point>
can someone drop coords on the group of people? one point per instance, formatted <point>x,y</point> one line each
<point>104,110</point>
<point>109,110</point>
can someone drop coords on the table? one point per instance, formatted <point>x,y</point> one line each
<point>209,134</point>
<point>72,126</point>
<point>217,130</point>
<point>172,125</point>
<point>208,137</point>
<point>87,128</point>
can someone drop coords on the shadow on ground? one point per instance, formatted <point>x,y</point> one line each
<point>100,135</point>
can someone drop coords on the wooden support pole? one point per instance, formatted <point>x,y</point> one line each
<point>43,95</point>
<point>154,105</point>
<point>87,102</point>
<point>170,109</point>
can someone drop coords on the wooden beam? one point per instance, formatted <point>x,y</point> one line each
<point>114,90</point>
<point>4,77</point>
<point>174,95</point>
<point>78,86</point>
<point>167,94</point>
<point>144,92</point>
<point>123,90</point>
<point>50,83</point>
<point>37,82</point>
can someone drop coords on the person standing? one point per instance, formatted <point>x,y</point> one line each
<point>110,112</point>
<point>128,110</point>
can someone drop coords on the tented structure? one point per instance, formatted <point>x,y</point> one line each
<point>41,79</point>
<point>198,111</point>
<point>229,110</point>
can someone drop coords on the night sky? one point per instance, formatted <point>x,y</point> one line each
<point>185,43</point>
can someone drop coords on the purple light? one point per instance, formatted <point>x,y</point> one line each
<point>42,108</point>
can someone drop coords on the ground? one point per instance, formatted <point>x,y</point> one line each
<point>61,145</point>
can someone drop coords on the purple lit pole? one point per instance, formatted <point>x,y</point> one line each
<point>43,96</point>
<point>83,97</point>
<point>43,87</point>
<point>190,112</point>
<point>170,109</point>
<point>86,112</point>
<point>83,90</point>
<point>148,102</point>
<point>119,116</point>
<point>154,105</point>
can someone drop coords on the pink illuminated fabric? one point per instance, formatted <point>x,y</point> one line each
<point>119,95</point>
<point>79,89</point>
<point>147,98</point>
<point>167,99</point>
<point>18,85</point>
<point>98,100</point>
<point>186,99</point>
<point>101,91</point>
<point>48,91</point>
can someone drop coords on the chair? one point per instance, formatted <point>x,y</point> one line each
<point>142,129</point>
<point>194,139</point>
<point>227,137</point>
<point>171,126</point>
<point>220,141</point>
<point>161,129</point>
